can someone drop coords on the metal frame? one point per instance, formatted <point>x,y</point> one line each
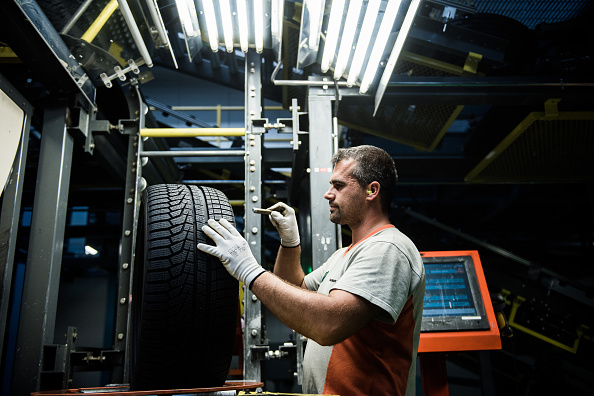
<point>322,145</point>
<point>11,206</point>
<point>135,184</point>
<point>44,259</point>
<point>252,333</point>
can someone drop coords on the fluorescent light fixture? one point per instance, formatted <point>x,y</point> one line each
<point>396,50</point>
<point>227,24</point>
<point>89,251</point>
<point>363,41</point>
<point>348,34</point>
<point>315,9</point>
<point>380,44</point>
<point>259,25</point>
<point>332,34</point>
<point>186,9</point>
<point>242,20</point>
<point>211,25</point>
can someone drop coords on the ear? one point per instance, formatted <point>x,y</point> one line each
<point>373,190</point>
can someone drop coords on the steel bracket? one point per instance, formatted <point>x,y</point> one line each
<point>259,126</point>
<point>121,73</point>
<point>292,125</point>
<point>59,361</point>
<point>84,122</point>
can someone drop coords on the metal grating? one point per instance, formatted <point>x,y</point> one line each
<point>531,13</point>
<point>419,126</point>
<point>542,148</point>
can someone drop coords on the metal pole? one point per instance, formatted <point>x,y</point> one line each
<point>191,132</point>
<point>156,15</point>
<point>133,191</point>
<point>70,24</point>
<point>44,259</point>
<point>136,36</point>
<point>325,234</point>
<point>194,153</point>
<point>252,334</point>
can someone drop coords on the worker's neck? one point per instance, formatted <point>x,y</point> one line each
<point>369,224</point>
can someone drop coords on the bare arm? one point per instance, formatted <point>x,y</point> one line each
<point>325,319</point>
<point>288,266</point>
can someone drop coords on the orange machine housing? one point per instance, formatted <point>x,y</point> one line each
<point>433,345</point>
<point>477,340</point>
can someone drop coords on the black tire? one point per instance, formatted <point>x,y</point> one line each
<point>184,303</point>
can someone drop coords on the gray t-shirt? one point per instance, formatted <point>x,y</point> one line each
<point>387,270</point>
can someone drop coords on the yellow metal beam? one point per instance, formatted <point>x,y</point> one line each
<point>191,132</point>
<point>98,24</point>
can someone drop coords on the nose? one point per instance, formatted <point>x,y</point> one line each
<point>329,195</point>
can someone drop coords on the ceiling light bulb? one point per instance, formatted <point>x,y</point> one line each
<point>211,25</point>
<point>259,25</point>
<point>395,54</point>
<point>332,32</point>
<point>363,41</point>
<point>242,19</point>
<point>316,10</point>
<point>380,44</point>
<point>227,24</point>
<point>348,34</point>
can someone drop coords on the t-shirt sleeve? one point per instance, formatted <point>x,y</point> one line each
<point>380,273</point>
<point>315,278</point>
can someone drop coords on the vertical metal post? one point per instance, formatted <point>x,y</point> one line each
<point>253,223</point>
<point>325,235</point>
<point>44,259</point>
<point>9,217</point>
<point>133,190</point>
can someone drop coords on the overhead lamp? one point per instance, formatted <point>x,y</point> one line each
<point>259,25</point>
<point>191,30</point>
<point>316,10</point>
<point>363,41</point>
<point>396,50</point>
<point>380,45</point>
<point>227,24</point>
<point>366,31</point>
<point>348,35</point>
<point>211,25</point>
<point>236,23</point>
<point>332,32</point>
<point>242,22</point>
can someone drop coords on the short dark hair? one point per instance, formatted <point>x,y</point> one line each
<point>373,164</point>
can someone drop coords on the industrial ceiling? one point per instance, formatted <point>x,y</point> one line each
<point>489,116</point>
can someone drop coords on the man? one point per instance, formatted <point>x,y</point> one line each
<point>363,320</point>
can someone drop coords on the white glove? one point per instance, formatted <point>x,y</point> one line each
<point>283,218</point>
<point>233,251</point>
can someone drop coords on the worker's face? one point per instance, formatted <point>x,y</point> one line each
<point>345,195</point>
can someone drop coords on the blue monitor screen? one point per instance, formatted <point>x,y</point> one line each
<point>447,291</point>
<point>452,299</point>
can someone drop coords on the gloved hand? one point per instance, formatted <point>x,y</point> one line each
<point>233,251</point>
<point>283,218</point>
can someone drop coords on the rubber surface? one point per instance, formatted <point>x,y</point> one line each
<point>184,303</point>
